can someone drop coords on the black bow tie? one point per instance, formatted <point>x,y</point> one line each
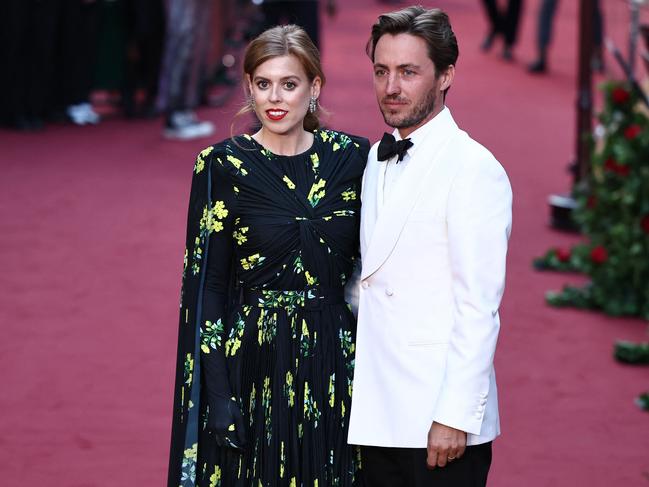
<point>390,147</point>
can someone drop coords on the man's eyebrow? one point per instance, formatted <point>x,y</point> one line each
<point>401,66</point>
<point>408,66</point>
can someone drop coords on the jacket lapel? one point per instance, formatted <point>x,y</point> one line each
<point>393,213</point>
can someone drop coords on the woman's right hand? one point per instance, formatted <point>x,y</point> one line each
<point>226,422</point>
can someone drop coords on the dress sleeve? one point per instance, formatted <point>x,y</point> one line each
<point>218,219</point>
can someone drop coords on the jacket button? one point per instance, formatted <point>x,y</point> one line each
<point>389,291</point>
<point>365,284</point>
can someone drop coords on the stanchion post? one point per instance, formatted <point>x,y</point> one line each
<point>562,205</point>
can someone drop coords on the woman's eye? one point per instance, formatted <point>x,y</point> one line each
<point>262,84</point>
<point>289,85</point>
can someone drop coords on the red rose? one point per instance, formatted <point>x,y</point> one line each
<point>620,95</point>
<point>623,170</point>
<point>632,131</point>
<point>610,164</point>
<point>613,166</point>
<point>644,223</point>
<point>563,255</point>
<point>599,255</point>
<point>591,202</point>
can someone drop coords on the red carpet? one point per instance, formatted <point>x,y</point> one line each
<point>91,236</point>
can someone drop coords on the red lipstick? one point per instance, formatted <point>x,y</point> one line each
<point>276,114</point>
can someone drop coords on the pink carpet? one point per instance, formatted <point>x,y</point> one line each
<point>91,238</point>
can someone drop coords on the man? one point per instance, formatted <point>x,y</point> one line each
<point>435,222</point>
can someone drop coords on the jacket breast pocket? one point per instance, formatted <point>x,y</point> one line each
<point>423,229</point>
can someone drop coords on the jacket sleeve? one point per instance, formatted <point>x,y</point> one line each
<point>479,225</point>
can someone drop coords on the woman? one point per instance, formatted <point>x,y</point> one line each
<point>272,234</point>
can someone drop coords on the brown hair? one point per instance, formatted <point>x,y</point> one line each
<point>281,41</point>
<point>432,25</point>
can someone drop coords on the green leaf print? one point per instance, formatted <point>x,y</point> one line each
<point>211,335</point>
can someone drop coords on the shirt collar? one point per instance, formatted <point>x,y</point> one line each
<point>434,128</point>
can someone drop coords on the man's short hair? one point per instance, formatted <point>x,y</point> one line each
<point>432,25</point>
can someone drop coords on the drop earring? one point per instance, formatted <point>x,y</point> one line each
<point>313,105</point>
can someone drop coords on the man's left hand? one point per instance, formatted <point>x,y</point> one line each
<point>445,444</point>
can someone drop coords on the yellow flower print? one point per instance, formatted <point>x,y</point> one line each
<point>348,195</point>
<point>315,162</point>
<point>191,453</point>
<point>200,160</point>
<point>289,183</point>
<point>336,146</point>
<point>240,235</point>
<point>309,279</point>
<point>210,221</point>
<point>219,210</point>
<point>215,478</point>
<point>252,261</point>
<point>237,163</point>
<point>189,368</point>
<point>253,402</point>
<point>282,460</point>
<point>317,192</point>
<point>233,342</point>
<point>292,484</point>
<point>332,394</point>
<point>290,391</point>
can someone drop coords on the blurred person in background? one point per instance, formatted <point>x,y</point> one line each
<point>266,340</point>
<point>145,31</point>
<point>545,26</point>
<point>29,32</point>
<point>305,13</point>
<point>76,60</point>
<point>184,67</point>
<point>502,23</point>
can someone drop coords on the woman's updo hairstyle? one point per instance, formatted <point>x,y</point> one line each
<point>279,41</point>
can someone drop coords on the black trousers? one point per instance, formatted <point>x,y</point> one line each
<point>406,467</point>
<point>507,22</point>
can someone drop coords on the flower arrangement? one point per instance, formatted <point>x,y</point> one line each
<point>612,213</point>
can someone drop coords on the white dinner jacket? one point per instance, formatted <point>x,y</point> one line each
<point>433,273</point>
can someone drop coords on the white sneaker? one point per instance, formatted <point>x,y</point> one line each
<point>82,114</point>
<point>185,126</point>
<point>91,115</point>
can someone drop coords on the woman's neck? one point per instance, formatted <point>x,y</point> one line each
<point>285,144</point>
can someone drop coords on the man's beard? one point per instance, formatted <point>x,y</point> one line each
<point>418,114</point>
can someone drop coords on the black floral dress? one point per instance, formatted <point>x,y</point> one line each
<point>266,341</point>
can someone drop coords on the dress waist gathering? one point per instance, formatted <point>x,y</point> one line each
<point>312,298</point>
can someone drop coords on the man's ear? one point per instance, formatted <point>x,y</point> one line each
<point>446,79</point>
